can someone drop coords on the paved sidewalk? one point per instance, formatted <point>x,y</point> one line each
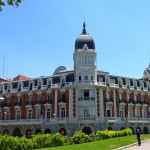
<point>145,145</point>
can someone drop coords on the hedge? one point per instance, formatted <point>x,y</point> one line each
<point>51,140</point>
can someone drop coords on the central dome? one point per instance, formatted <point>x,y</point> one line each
<point>84,41</point>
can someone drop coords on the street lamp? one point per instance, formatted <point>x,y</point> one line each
<point>56,121</point>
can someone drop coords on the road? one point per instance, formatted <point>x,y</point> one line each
<point>144,146</point>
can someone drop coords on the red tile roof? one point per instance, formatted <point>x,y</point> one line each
<point>2,80</point>
<point>20,77</point>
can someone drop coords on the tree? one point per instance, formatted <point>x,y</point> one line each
<point>9,2</point>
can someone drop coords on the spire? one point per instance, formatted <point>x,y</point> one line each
<point>84,30</point>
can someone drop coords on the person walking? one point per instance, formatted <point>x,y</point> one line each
<point>138,134</point>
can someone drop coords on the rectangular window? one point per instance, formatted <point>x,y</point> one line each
<point>0,115</point>
<point>5,86</point>
<point>14,85</point>
<point>108,113</point>
<point>85,59</point>
<point>124,81</point>
<point>79,78</point>
<point>35,83</point>
<point>82,59</point>
<point>131,82</point>
<point>63,113</point>
<point>86,95</point>
<point>30,114</point>
<point>48,113</point>
<point>44,81</point>
<point>18,115</point>
<point>91,78</point>
<point>86,78</point>
<point>122,114</point>
<point>38,113</point>
<point>86,112</point>
<point>130,113</point>
<point>40,97</point>
<point>7,115</point>
<point>25,84</point>
<point>145,84</point>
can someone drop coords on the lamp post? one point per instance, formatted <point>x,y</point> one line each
<point>56,121</point>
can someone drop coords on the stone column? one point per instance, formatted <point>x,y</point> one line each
<point>70,103</point>
<point>56,103</point>
<point>101,103</point>
<point>115,111</point>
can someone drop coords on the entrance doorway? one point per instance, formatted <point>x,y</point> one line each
<point>87,130</point>
<point>17,132</point>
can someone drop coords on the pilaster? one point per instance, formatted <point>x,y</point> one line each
<point>101,103</point>
<point>70,103</point>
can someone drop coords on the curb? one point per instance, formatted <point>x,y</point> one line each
<point>124,147</point>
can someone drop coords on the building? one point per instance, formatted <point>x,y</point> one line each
<point>83,98</point>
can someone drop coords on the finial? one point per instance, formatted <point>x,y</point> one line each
<point>84,30</point>
<point>149,59</point>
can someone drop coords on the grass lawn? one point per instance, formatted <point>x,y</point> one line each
<point>108,144</point>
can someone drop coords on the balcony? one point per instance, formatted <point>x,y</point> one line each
<point>55,85</point>
<point>24,89</point>
<point>111,119</point>
<point>89,119</point>
<point>86,82</point>
<point>124,86</point>
<point>139,88</point>
<point>69,84</point>
<point>15,90</point>
<point>132,88</point>
<point>21,122</point>
<point>102,84</point>
<point>145,89</point>
<point>86,98</point>
<point>113,85</point>
<point>62,120</point>
<point>138,120</point>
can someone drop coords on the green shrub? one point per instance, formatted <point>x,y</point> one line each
<point>50,140</point>
<point>80,137</point>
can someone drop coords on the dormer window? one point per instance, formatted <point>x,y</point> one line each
<point>124,81</point>
<point>120,83</point>
<point>145,85</point>
<point>134,84</point>
<point>5,86</point>
<point>131,82</point>
<point>25,84</point>
<point>14,85</point>
<point>44,81</point>
<point>107,82</point>
<point>35,83</point>
<point>138,83</point>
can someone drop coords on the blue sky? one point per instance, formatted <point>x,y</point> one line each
<point>39,36</point>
